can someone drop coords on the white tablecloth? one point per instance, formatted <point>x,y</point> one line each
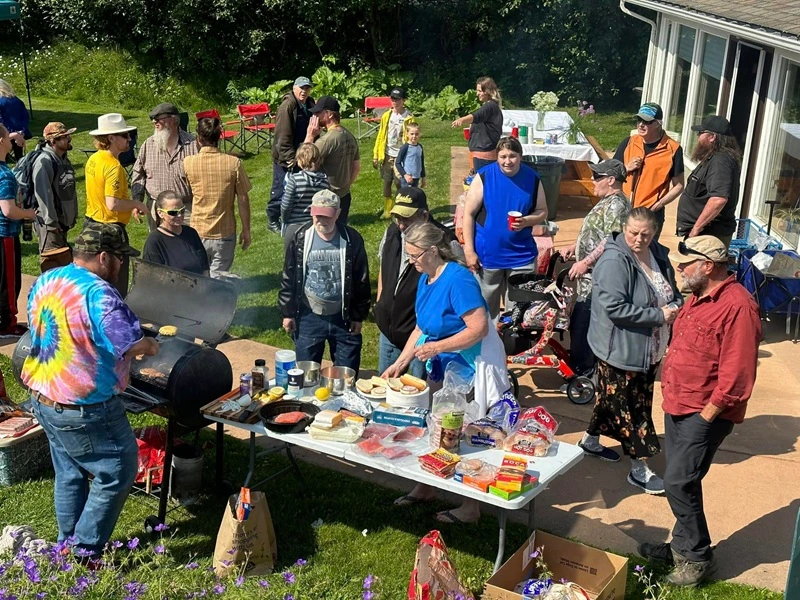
<point>555,122</point>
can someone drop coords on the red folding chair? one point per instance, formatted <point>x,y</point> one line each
<point>374,107</point>
<point>229,136</point>
<point>256,122</point>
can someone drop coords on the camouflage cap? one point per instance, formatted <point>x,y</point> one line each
<point>103,237</point>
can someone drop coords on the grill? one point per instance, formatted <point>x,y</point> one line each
<point>188,372</point>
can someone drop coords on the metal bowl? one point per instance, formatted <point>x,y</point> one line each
<point>310,372</point>
<point>337,380</point>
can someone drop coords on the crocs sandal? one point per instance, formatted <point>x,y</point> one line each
<point>409,500</point>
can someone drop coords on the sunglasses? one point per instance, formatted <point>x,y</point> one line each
<point>173,212</point>
<point>412,258</point>
<point>641,121</point>
<point>597,176</point>
<point>126,136</point>
<point>686,251</point>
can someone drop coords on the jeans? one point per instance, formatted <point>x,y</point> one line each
<point>344,206</point>
<point>479,163</point>
<point>276,193</point>
<point>690,443</point>
<point>98,440</point>
<point>581,357</point>
<point>314,330</point>
<point>388,353</point>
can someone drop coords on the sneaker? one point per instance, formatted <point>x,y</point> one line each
<point>653,484</point>
<point>274,227</point>
<point>16,331</point>
<point>661,552</point>
<point>688,573</point>
<point>606,454</point>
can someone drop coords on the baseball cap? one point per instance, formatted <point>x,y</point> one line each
<point>56,130</point>
<point>303,82</point>
<point>397,92</point>
<point>650,111</point>
<point>325,103</point>
<point>714,124</point>
<point>698,248</point>
<point>325,203</point>
<point>103,237</point>
<point>409,201</point>
<point>611,168</point>
<point>163,109</point>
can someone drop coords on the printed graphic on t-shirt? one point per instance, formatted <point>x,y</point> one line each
<point>395,139</point>
<point>323,284</point>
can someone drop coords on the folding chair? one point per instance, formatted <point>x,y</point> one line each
<point>374,106</point>
<point>256,123</point>
<point>228,135</point>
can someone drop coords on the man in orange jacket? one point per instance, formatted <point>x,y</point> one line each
<point>654,162</point>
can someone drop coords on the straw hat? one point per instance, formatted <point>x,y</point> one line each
<point>110,124</point>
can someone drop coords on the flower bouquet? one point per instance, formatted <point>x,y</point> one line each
<point>543,102</point>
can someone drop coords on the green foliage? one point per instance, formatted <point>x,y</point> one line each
<point>449,104</point>
<point>272,95</point>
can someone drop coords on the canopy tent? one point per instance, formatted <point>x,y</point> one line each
<point>11,11</point>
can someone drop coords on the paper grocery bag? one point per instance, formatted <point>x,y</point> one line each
<point>434,576</point>
<point>249,546</point>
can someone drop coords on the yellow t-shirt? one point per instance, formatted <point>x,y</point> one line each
<point>105,176</point>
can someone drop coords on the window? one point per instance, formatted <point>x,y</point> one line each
<point>680,84</point>
<point>708,85</point>
<point>783,183</point>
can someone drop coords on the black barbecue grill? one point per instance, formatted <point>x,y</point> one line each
<point>188,372</point>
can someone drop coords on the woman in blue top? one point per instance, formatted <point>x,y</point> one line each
<point>14,116</point>
<point>452,325</point>
<point>494,248</point>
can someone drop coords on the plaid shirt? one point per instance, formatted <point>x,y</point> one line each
<point>216,179</point>
<point>158,170</point>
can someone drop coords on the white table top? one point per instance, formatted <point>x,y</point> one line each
<point>561,458</point>
<point>555,122</point>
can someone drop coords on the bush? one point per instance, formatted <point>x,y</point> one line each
<point>448,104</point>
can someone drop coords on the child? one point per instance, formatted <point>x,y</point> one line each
<point>299,189</point>
<point>410,162</point>
<point>391,135</point>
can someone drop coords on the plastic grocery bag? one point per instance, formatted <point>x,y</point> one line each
<point>246,541</point>
<point>434,576</point>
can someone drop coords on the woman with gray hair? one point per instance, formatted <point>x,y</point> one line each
<point>172,243</point>
<point>15,118</point>
<point>453,326</point>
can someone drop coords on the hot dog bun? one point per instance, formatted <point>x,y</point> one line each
<point>414,381</point>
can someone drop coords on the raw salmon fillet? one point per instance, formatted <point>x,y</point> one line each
<point>290,417</point>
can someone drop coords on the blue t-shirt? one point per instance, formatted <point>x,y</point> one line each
<point>496,245</point>
<point>441,305</point>
<point>8,191</point>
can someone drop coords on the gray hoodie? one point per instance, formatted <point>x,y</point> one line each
<point>623,318</point>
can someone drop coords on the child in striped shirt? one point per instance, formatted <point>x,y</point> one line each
<point>299,189</point>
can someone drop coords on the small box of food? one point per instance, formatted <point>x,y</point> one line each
<point>400,416</point>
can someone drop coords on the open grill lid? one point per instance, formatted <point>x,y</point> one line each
<point>200,307</point>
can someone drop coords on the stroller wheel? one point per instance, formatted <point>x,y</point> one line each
<point>512,377</point>
<point>580,390</point>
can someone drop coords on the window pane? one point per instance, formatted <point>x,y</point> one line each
<point>680,85</point>
<point>784,183</point>
<point>710,78</point>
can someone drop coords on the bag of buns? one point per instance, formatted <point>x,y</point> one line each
<point>446,420</point>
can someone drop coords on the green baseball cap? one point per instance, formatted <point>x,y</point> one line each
<point>103,237</point>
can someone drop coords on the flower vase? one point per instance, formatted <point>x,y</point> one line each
<point>572,137</point>
<point>540,120</point>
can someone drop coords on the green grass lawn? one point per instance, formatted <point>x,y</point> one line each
<point>362,533</point>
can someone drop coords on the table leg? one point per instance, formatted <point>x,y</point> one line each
<point>531,516</point>
<point>252,469</point>
<point>501,542</point>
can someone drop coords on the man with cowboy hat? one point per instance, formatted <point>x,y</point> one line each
<point>83,338</point>
<point>108,199</point>
<point>56,197</point>
<point>159,165</point>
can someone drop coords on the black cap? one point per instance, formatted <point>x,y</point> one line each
<point>714,124</point>
<point>409,201</point>
<point>326,103</point>
<point>165,108</point>
<point>397,93</point>
<point>610,168</point>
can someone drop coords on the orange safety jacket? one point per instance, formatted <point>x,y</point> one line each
<point>650,182</point>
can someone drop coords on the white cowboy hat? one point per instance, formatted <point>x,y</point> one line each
<point>110,124</point>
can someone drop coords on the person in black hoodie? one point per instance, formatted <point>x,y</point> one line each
<point>397,280</point>
<point>291,122</point>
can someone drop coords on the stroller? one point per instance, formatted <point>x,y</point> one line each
<point>542,307</point>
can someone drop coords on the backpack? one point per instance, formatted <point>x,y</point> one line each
<point>23,171</point>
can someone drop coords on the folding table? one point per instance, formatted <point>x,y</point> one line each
<point>772,294</point>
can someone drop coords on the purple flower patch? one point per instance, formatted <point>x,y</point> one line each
<point>288,577</point>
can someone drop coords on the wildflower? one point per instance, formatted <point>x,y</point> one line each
<point>82,552</point>
<point>218,589</point>
<point>263,583</point>
<point>41,595</point>
<point>132,544</point>
<point>226,563</point>
<point>288,597</point>
<point>638,568</point>
<point>161,527</point>
<point>116,544</point>
<point>367,595</point>
<point>135,590</point>
<point>301,562</point>
<point>239,581</point>
<point>288,577</point>
<point>368,581</point>
<point>159,549</point>
<point>192,566</point>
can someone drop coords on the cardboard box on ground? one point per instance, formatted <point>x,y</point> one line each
<point>602,574</point>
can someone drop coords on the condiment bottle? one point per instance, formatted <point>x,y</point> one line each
<point>260,374</point>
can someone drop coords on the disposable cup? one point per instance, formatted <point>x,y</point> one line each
<point>466,133</point>
<point>513,217</point>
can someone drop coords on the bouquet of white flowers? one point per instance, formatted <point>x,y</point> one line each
<point>544,101</point>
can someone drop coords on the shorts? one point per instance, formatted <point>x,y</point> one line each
<point>387,171</point>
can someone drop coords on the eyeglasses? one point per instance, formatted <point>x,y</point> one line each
<point>686,251</point>
<point>413,259</point>
<point>175,212</point>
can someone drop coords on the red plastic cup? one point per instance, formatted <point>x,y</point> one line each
<point>515,132</point>
<point>513,217</point>
<point>466,133</point>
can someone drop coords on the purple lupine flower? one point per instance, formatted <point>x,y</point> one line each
<point>288,577</point>
<point>368,581</point>
<point>263,583</point>
<point>288,597</point>
<point>41,595</point>
<point>239,581</point>
<point>218,589</point>
<point>159,549</point>
<point>367,595</point>
<point>83,552</point>
<point>192,566</point>
<point>301,562</point>
<point>132,544</point>
<point>226,563</point>
<point>4,595</point>
<point>116,544</point>
<point>161,527</point>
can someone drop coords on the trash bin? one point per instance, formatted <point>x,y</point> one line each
<point>550,169</point>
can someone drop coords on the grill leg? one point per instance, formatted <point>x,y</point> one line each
<point>165,481</point>
<point>220,448</point>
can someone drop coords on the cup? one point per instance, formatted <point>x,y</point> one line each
<point>515,132</point>
<point>513,217</point>
<point>466,133</point>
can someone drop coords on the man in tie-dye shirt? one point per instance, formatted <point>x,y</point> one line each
<point>83,337</point>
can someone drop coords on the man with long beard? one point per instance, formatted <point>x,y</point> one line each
<point>159,166</point>
<point>708,203</point>
<point>325,292</point>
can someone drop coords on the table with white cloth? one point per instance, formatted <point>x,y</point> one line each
<point>560,459</point>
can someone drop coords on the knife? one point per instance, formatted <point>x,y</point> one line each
<point>248,412</point>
